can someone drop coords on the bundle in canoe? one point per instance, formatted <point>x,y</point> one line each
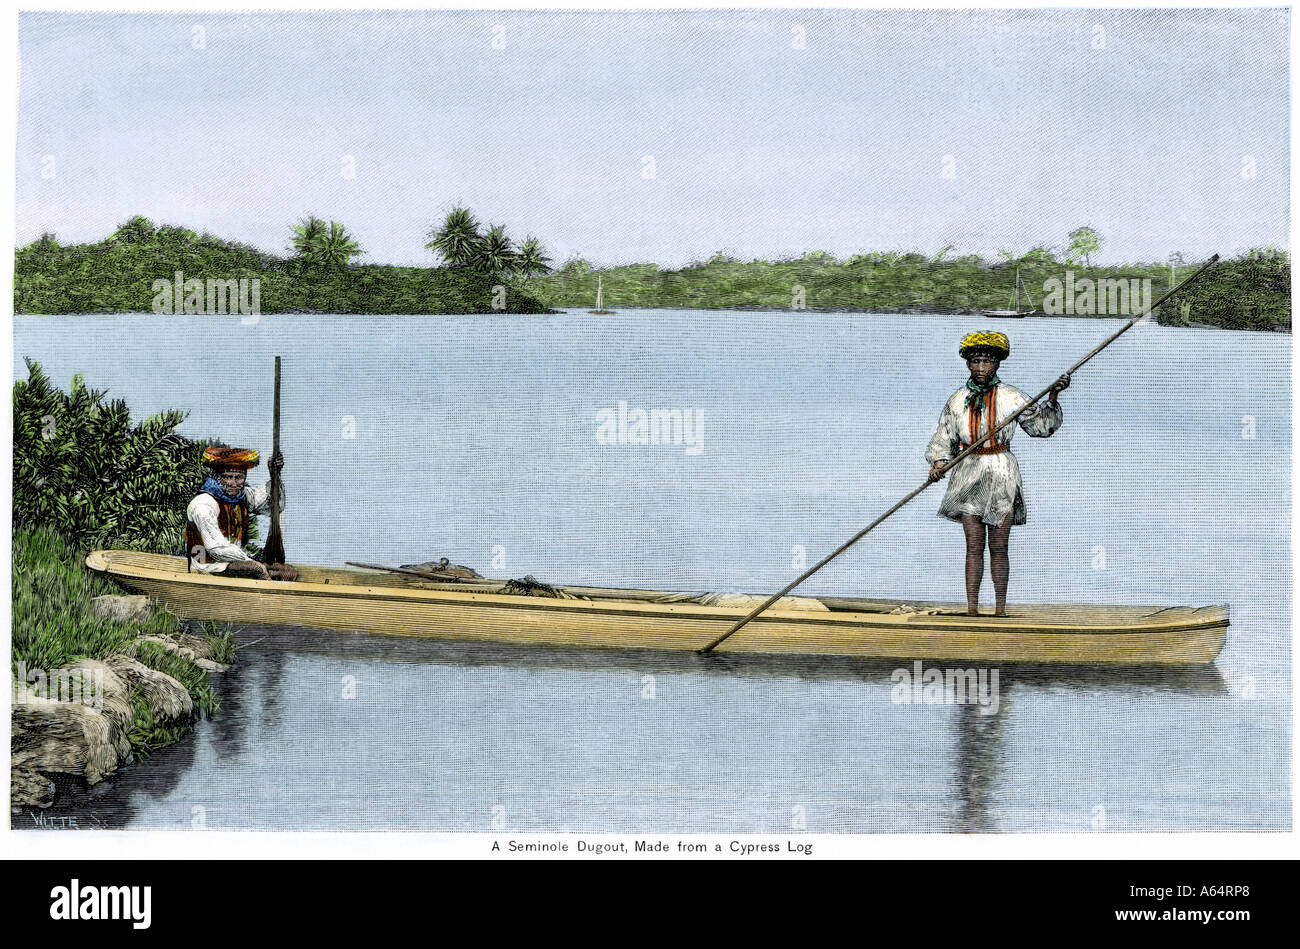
<point>597,617</point>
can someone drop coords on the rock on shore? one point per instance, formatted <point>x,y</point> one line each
<point>193,648</point>
<point>81,727</point>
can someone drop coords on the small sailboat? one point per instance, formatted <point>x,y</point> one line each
<point>1016,311</point>
<point>600,299</point>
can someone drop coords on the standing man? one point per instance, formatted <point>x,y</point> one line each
<point>216,527</point>
<point>985,494</point>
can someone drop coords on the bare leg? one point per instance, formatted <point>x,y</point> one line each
<point>974,528</point>
<point>1000,562</point>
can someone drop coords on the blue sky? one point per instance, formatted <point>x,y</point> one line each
<point>759,149</point>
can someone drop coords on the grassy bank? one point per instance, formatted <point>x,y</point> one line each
<point>1250,292</point>
<point>53,623</point>
<point>52,620</point>
<point>118,274</point>
<point>85,476</point>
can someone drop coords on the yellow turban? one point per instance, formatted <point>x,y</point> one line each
<point>225,459</point>
<point>986,338</point>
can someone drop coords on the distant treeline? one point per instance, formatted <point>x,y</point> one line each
<point>127,272</point>
<point>133,270</point>
<point>1250,292</point>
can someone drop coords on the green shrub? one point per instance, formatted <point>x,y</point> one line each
<point>82,468</point>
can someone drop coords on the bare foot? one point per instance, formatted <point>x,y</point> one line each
<point>281,571</point>
<point>246,569</point>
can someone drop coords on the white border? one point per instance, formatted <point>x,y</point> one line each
<point>89,844</point>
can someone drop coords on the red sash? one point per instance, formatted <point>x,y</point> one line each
<point>990,412</point>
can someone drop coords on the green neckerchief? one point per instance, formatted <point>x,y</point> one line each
<point>977,392</point>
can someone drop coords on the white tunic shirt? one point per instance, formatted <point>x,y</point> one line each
<point>987,486</point>
<point>220,549</point>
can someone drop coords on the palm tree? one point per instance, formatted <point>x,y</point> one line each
<point>496,254</point>
<point>327,246</point>
<point>307,237</point>
<point>337,248</point>
<point>458,240</point>
<point>532,260</point>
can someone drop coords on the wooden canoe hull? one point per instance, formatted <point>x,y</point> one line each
<point>350,600</point>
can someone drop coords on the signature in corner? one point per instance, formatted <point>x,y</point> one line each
<point>67,822</point>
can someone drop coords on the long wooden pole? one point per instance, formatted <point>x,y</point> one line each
<point>274,550</point>
<point>766,604</point>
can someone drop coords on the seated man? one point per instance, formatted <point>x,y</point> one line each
<point>216,528</point>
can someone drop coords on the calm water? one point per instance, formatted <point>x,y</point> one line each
<point>476,438</point>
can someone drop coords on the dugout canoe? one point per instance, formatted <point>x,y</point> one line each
<point>340,598</point>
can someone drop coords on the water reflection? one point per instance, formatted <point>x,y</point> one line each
<point>284,640</point>
<point>253,693</point>
<point>979,752</point>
